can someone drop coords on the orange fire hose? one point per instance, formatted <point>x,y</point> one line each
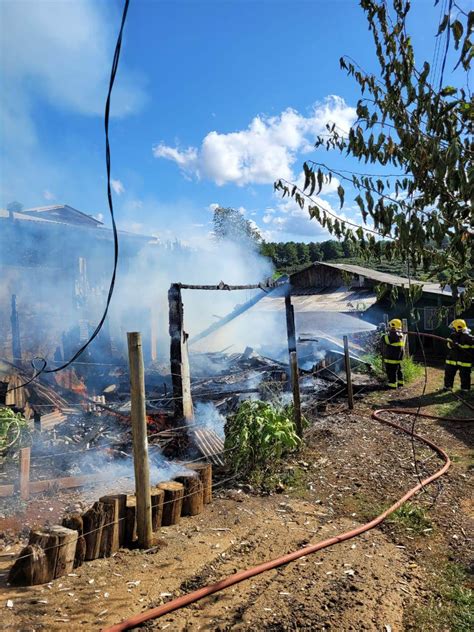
<point>186,600</point>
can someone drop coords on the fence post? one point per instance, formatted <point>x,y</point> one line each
<point>25,473</point>
<point>140,439</point>
<point>407,342</point>
<point>295,382</point>
<point>347,362</point>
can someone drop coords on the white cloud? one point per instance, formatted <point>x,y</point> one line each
<point>48,195</point>
<point>263,152</point>
<point>117,186</point>
<point>58,53</point>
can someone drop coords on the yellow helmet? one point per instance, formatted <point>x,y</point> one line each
<point>395,323</point>
<point>458,324</point>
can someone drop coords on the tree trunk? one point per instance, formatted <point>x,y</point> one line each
<point>204,471</point>
<point>173,502</point>
<point>193,498</point>
<point>74,521</point>
<point>67,543</point>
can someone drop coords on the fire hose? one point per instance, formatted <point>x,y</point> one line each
<point>231,580</point>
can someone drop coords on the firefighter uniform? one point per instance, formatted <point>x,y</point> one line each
<point>459,356</point>
<point>393,349</point>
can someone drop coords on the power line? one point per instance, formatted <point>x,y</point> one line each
<point>96,331</point>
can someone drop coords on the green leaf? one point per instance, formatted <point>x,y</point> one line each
<point>340,192</point>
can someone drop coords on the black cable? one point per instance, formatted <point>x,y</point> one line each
<point>96,331</point>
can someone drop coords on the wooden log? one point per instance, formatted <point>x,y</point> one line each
<point>67,543</point>
<point>157,499</point>
<point>204,471</point>
<point>113,530</point>
<point>131,521</point>
<point>173,502</point>
<point>193,499</point>
<point>59,546</point>
<point>25,454</point>
<point>45,569</point>
<point>93,520</point>
<point>29,568</point>
<point>74,521</point>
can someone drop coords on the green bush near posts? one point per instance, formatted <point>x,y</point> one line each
<point>14,431</point>
<point>411,370</point>
<point>258,435</point>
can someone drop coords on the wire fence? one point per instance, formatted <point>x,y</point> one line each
<point>113,522</point>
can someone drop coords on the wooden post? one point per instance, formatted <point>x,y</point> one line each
<point>16,342</point>
<point>347,362</point>
<point>204,471</point>
<point>193,499</point>
<point>25,454</point>
<point>153,333</point>
<point>407,341</point>
<point>173,502</point>
<point>140,440</point>
<point>295,382</point>
<point>180,372</point>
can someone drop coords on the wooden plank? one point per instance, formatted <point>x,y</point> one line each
<point>25,454</point>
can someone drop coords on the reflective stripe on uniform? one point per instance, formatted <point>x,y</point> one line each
<point>468,364</point>
<point>451,362</point>
<point>465,346</point>
<point>397,344</point>
<point>394,361</point>
<point>392,384</point>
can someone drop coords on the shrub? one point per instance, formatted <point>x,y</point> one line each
<point>411,370</point>
<point>257,436</point>
<point>14,431</point>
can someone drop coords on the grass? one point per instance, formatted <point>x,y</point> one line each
<point>450,607</point>
<point>413,518</point>
<point>411,370</point>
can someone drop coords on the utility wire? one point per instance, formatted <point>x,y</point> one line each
<point>95,333</point>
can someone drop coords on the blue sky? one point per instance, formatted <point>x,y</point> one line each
<point>214,100</point>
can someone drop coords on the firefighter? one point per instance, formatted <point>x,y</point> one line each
<point>459,356</point>
<point>393,349</point>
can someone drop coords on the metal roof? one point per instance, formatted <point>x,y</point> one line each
<point>338,300</point>
<point>383,277</point>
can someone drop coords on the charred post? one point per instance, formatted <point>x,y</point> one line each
<point>16,342</point>
<point>180,371</point>
<point>295,382</point>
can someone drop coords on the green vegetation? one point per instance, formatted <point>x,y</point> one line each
<point>411,517</point>
<point>451,606</point>
<point>14,431</point>
<point>413,140</point>
<point>411,370</point>
<point>257,436</point>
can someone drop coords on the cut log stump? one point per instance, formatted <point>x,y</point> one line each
<point>204,471</point>
<point>157,499</point>
<point>30,568</point>
<point>93,520</point>
<point>74,521</point>
<point>113,530</point>
<point>50,554</point>
<point>172,503</point>
<point>193,498</point>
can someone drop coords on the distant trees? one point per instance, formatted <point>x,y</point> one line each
<point>290,255</point>
<point>229,224</point>
<point>413,138</point>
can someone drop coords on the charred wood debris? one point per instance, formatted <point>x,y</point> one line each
<point>73,420</point>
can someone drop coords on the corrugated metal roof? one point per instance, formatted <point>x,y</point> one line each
<point>383,277</point>
<point>337,300</point>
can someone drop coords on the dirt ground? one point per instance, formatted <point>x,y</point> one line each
<point>389,579</point>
